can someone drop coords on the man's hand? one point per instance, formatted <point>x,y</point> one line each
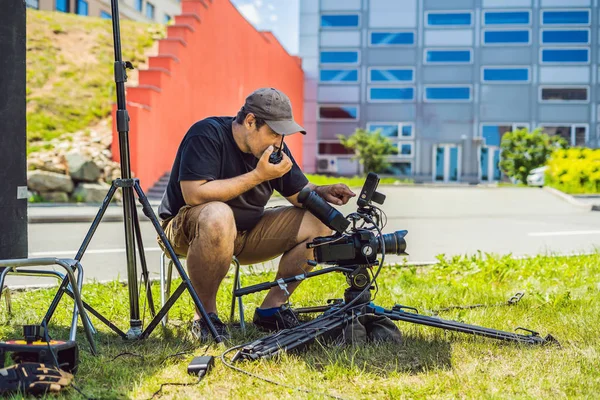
<point>337,194</point>
<point>267,171</point>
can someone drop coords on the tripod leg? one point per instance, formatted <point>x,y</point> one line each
<point>184,276</point>
<point>400,315</point>
<point>145,275</point>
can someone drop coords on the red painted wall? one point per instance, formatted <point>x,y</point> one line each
<point>210,61</point>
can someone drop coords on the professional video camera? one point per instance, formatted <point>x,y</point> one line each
<point>353,251</point>
<point>361,246</point>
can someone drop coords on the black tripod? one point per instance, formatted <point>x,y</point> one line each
<point>357,302</point>
<point>131,221</point>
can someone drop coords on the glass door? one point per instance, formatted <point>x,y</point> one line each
<point>446,163</point>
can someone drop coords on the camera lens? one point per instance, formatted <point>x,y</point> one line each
<point>394,242</point>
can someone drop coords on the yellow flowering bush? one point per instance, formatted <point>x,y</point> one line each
<point>575,170</point>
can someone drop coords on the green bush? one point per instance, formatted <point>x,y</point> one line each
<point>575,170</point>
<point>523,151</point>
<point>370,148</point>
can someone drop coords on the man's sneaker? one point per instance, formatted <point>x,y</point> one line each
<point>276,319</point>
<point>201,332</point>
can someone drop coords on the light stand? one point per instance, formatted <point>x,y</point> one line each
<point>131,221</point>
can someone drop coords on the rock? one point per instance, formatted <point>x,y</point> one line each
<point>55,197</point>
<point>90,192</point>
<point>43,181</point>
<point>82,168</point>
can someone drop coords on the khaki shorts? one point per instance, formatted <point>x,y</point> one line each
<point>273,235</point>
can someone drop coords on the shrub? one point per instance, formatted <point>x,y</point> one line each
<point>575,170</point>
<point>370,148</point>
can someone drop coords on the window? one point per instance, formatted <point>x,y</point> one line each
<point>447,93</point>
<point>382,75</point>
<point>564,36</point>
<point>392,130</point>
<point>340,21</point>
<point>166,19</point>
<point>105,15</point>
<point>492,133</point>
<point>447,18</point>
<point>502,37</point>
<point>566,17</point>
<point>506,18</point>
<point>560,94</point>
<point>381,39</point>
<point>338,75</point>
<point>82,7</point>
<point>565,55</point>
<point>391,94</point>
<point>399,168</point>
<point>35,4</point>
<point>575,135</point>
<point>339,57</point>
<point>138,5</point>
<point>62,5</point>
<point>448,56</point>
<point>338,112</point>
<point>505,74</point>
<point>149,10</point>
<point>404,149</point>
<point>334,148</point>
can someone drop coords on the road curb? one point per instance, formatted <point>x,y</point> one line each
<point>572,200</point>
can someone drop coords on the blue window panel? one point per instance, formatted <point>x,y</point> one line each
<point>497,172</point>
<point>339,21</point>
<point>565,55</point>
<point>505,74</point>
<point>406,130</point>
<point>399,168</point>
<point>138,5</point>
<point>404,149</point>
<point>339,75</point>
<point>436,19</point>
<point>82,7</point>
<point>392,93</point>
<point>506,37</point>
<point>483,163</point>
<point>166,19</point>
<point>62,5</point>
<point>392,38</point>
<point>566,17</point>
<point>507,18</point>
<point>149,11</point>
<point>449,56</point>
<point>439,163</point>
<point>448,93</point>
<point>453,164</point>
<point>338,112</point>
<point>105,15</point>
<point>491,135</point>
<point>339,57</point>
<point>387,130</point>
<point>561,36</point>
<point>391,75</point>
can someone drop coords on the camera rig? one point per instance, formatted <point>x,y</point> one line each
<point>354,251</point>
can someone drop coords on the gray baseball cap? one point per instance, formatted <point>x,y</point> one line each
<point>275,108</point>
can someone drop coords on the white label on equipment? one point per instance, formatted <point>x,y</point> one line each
<point>21,192</point>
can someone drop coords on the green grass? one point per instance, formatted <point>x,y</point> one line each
<point>354,182</point>
<point>70,81</point>
<point>562,298</point>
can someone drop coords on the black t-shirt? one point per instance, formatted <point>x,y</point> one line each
<point>209,151</point>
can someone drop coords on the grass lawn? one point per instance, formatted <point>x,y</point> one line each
<point>562,298</point>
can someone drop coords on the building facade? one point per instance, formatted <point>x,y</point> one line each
<point>161,11</point>
<point>446,79</point>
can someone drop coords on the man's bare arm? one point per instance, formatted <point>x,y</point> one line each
<point>200,192</point>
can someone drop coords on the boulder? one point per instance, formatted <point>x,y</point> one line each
<point>82,168</point>
<point>55,197</point>
<point>43,181</point>
<point>90,192</point>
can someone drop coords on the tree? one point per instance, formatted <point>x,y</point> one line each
<point>370,148</point>
<point>523,151</point>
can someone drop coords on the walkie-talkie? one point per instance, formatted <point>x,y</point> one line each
<point>276,156</point>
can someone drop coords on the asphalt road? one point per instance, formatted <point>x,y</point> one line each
<point>448,220</point>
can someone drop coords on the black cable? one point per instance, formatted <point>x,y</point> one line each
<point>510,302</point>
<point>299,389</point>
<point>200,376</point>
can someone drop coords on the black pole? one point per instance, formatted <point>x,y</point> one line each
<point>128,200</point>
